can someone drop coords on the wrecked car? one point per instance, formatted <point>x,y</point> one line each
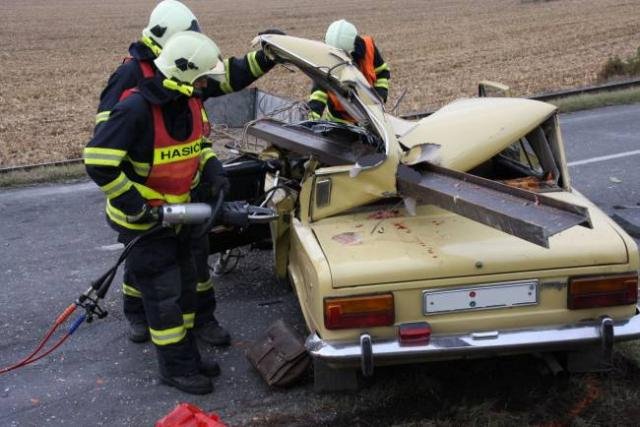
<point>454,236</point>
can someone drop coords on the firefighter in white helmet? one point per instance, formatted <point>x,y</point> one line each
<point>343,35</point>
<point>148,153</point>
<point>166,19</point>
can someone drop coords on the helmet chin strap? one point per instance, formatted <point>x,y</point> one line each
<point>152,45</point>
<point>183,88</point>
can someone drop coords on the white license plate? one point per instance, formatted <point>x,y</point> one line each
<point>498,295</point>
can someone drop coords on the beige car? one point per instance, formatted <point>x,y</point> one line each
<point>390,272</point>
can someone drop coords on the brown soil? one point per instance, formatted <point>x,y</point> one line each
<point>57,55</point>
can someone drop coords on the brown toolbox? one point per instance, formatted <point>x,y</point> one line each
<point>279,355</point>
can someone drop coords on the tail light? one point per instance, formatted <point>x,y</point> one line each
<point>414,333</point>
<point>359,312</point>
<point>602,291</point>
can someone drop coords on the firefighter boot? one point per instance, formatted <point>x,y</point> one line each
<point>213,334</point>
<point>192,384</point>
<point>138,331</point>
<point>209,368</point>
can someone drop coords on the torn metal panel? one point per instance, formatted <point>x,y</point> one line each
<point>301,140</point>
<point>523,214</point>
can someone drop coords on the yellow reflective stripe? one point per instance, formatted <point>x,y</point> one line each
<point>116,187</point>
<point>103,116</point>
<point>204,286</point>
<point>384,83</point>
<point>183,88</point>
<point>168,336</point>
<point>117,216</point>
<point>176,153</point>
<point>152,45</point>
<point>337,119</point>
<point>253,65</point>
<point>205,118</point>
<point>383,67</point>
<point>103,156</point>
<point>226,84</point>
<point>207,153</point>
<point>131,291</point>
<point>188,320</point>
<point>195,181</point>
<point>139,168</point>
<point>313,115</point>
<point>319,95</point>
<point>150,194</point>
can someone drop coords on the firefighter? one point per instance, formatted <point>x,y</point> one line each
<point>147,153</point>
<point>167,18</point>
<point>366,56</point>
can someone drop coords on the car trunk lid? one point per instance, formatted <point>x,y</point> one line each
<point>386,246</point>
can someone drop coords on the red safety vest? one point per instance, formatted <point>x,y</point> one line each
<point>175,163</point>
<point>366,67</point>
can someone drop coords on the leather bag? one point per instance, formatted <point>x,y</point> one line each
<point>279,356</point>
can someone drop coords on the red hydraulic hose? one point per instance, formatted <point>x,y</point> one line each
<point>30,358</point>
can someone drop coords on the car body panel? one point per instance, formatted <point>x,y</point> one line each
<point>470,131</point>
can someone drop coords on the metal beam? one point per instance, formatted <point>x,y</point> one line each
<point>529,216</point>
<point>305,142</point>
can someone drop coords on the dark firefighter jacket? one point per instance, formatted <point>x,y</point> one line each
<point>241,72</point>
<point>319,98</point>
<point>120,155</point>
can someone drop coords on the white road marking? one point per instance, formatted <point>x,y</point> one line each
<point>603,158</point>
<point>114,247</point>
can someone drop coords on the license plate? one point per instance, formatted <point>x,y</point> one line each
<point>484,297</point>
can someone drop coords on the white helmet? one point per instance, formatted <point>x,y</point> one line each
<point>342,34</point>
<point>166,19</point>
<point>189,55</point>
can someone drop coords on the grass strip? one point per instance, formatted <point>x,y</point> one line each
<point>45,174</point>
<point>596,100</point>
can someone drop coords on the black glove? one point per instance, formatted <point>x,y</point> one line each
<point>272,31</point>
<point>146,215</point>
<point>235,214</point>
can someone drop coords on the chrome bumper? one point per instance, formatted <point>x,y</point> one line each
<point>603,331</point>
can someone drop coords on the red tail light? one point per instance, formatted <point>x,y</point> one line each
<point>602,291</point>
<point>414,333</point>
<point>359,312</point>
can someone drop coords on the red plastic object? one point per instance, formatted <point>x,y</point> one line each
<point>188,415</point>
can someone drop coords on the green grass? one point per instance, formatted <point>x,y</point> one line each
<point>45,174</point>
<point>589,101</point>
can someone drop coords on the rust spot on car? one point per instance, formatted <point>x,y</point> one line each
<point>358,225</point>
<point>349,238</point>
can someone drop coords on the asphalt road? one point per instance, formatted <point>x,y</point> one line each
<point>55,241</point>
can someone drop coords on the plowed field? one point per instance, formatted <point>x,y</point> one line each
<point>57,55</point>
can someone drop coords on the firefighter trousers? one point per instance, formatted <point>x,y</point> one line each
<point>205,294</point>
<point>162,268</point>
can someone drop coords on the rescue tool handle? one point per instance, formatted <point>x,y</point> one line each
<point>186,213</point>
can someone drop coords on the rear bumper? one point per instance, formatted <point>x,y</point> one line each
<point>603,331</point>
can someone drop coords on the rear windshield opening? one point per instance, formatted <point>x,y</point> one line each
<point>529,163</point>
